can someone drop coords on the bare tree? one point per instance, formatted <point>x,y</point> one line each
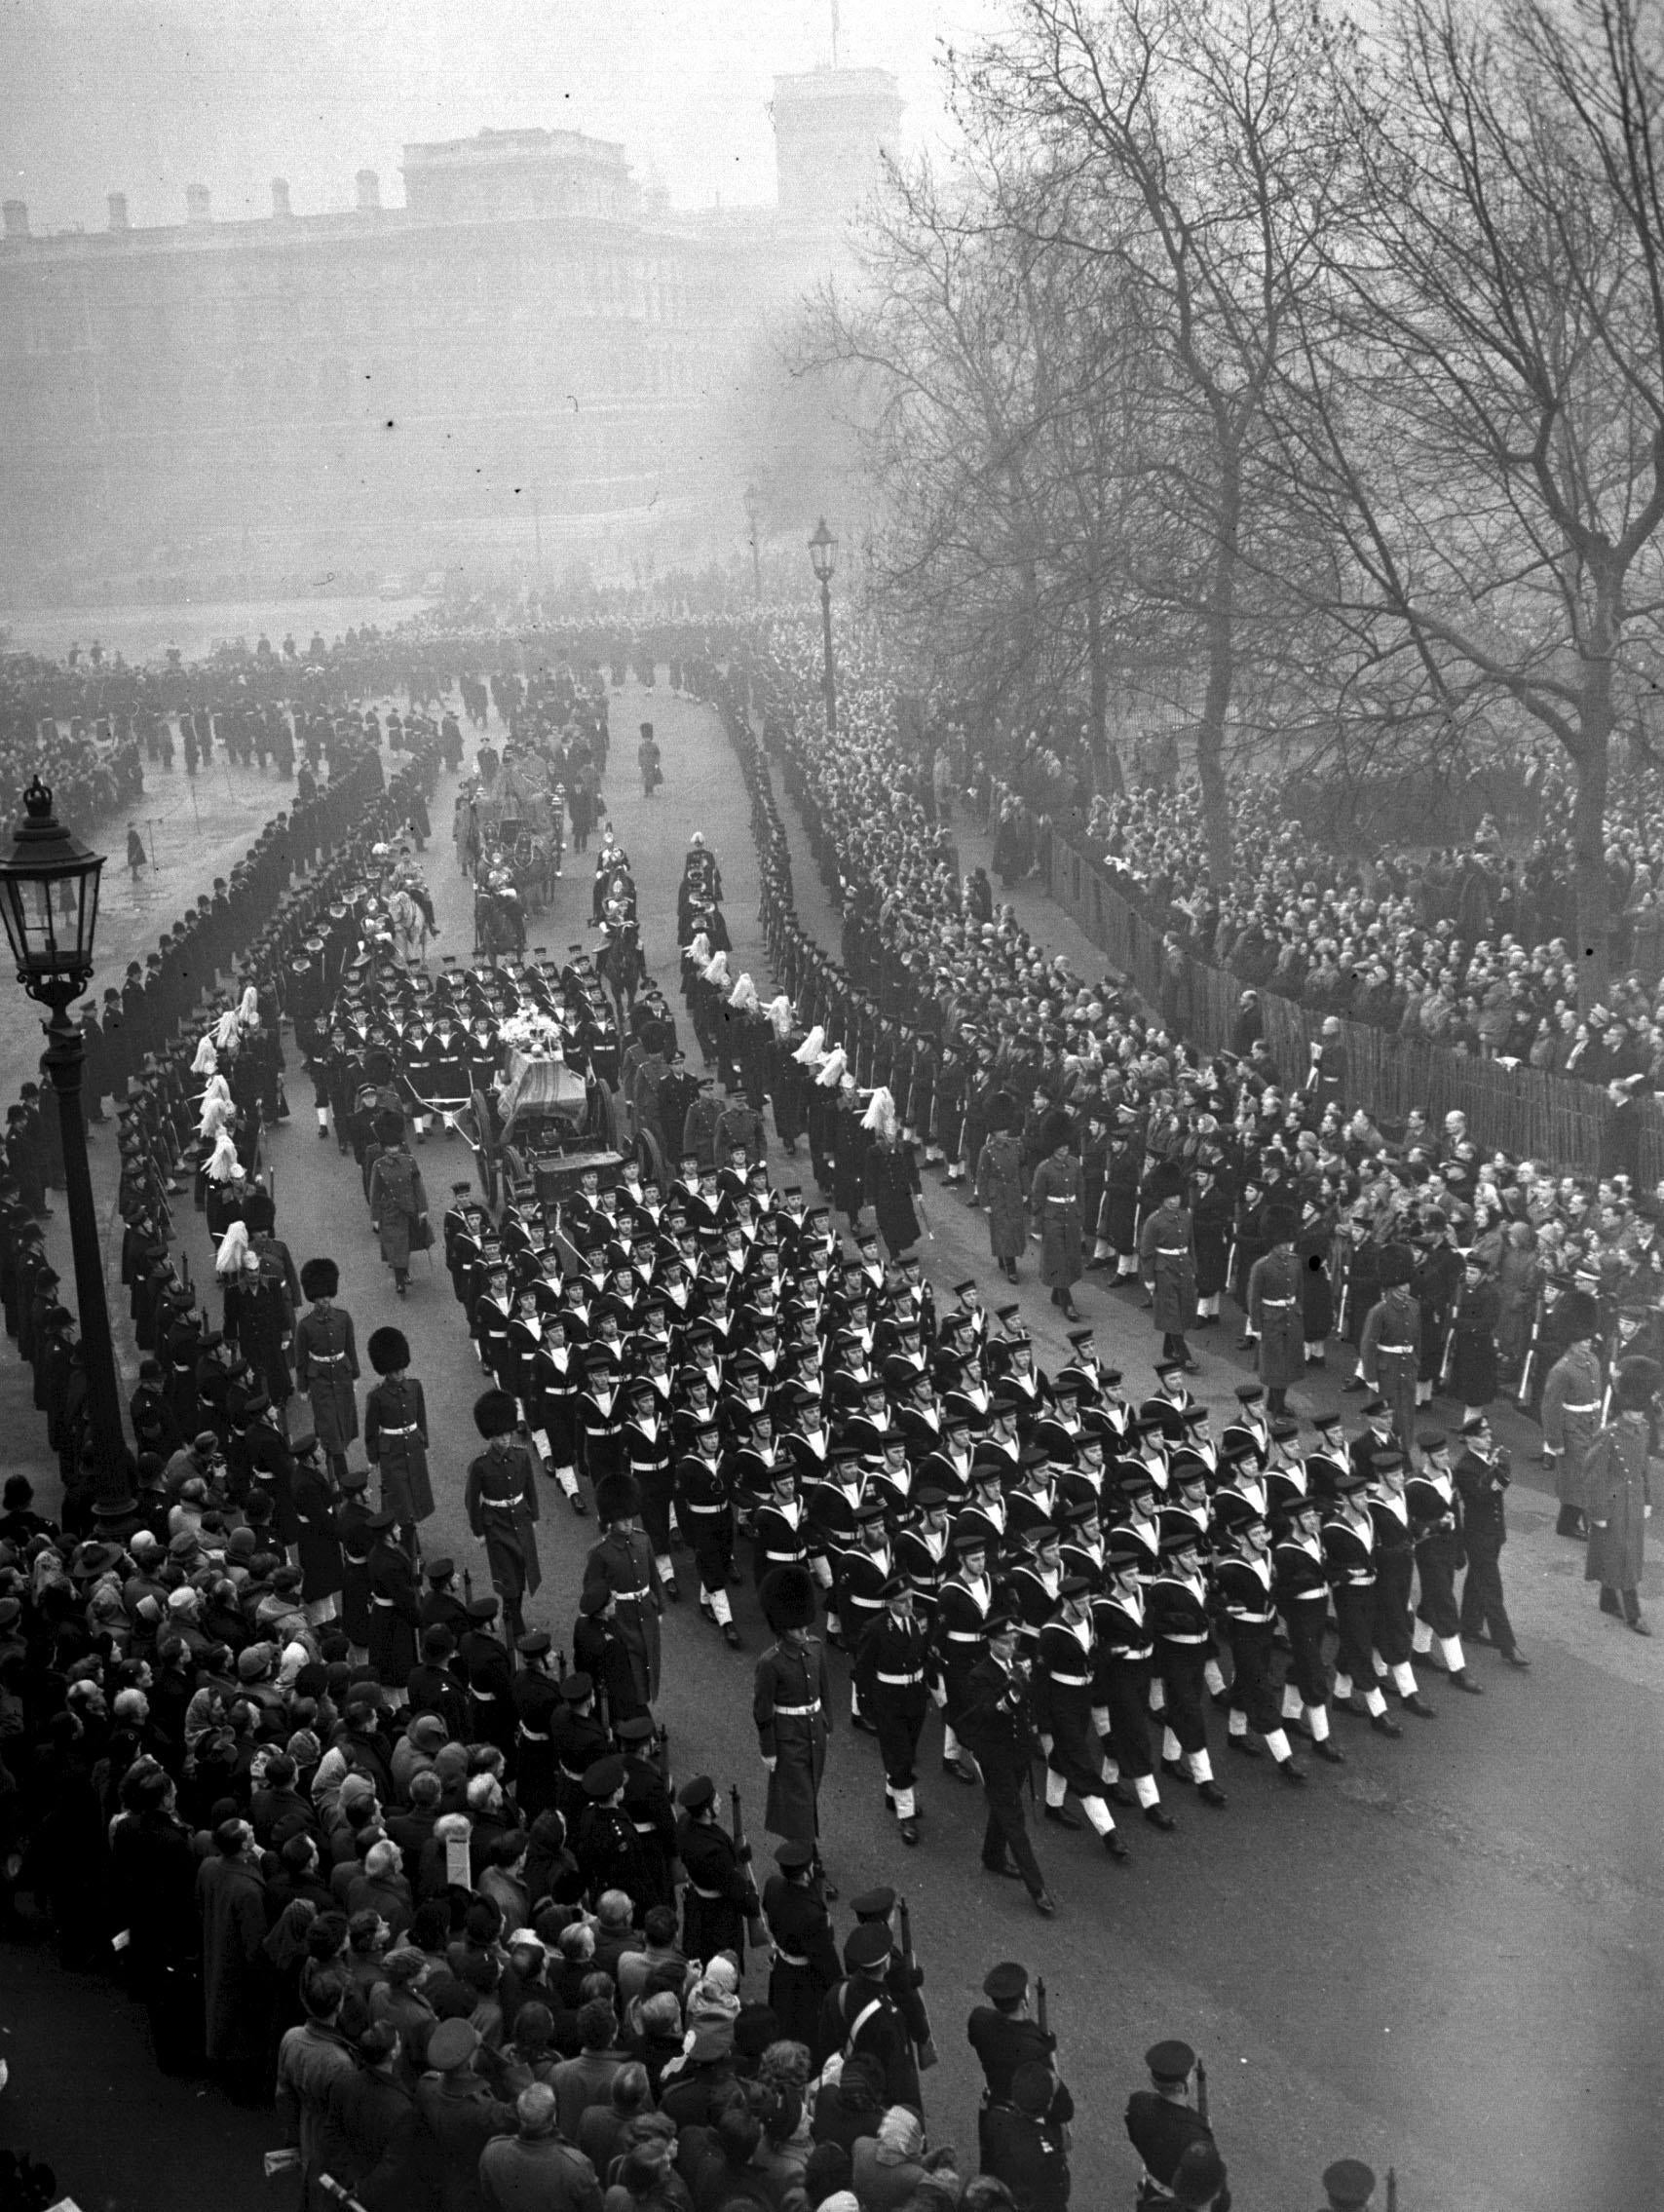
<point>1198,118</point>
<point>1479,415</point>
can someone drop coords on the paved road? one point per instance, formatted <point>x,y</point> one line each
<point>1446,1958</point>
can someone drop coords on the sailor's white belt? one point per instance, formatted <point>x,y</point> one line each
<point>410,1428</point>
<point>1361,1580</point>
<point>1131,1651</point>
<point>1252,1620</point>
<point>1066,1681</point>
<point>786,1557</point>
<point>1594,1406</point>
<point>1050,1201</point>
<point>1168,1636</point>
<point>1274,1305</point>
<point>899,1681</point>
<point>797,1712</point>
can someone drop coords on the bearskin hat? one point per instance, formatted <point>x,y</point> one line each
<point>319,1279</point>
<point>1282,1224</point>
<point>1396,1269</point>
<point>1580,1314</point>
<point>495,1414</point>
<point>259,1215</point>
<point>389,1350</point>
<point>788,1595</point>
<point>1637,1384</point>
<point>616,1498</point>
<point>1166,1181</point>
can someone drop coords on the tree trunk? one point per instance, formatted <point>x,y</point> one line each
<point>1589,841</point>
<point>1106,762</point>
<point>1221,673</point>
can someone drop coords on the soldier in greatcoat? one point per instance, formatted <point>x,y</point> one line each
<point>1168,1261</point>
<point>501,1501</point>
<point>1618,1491</point>
<point>1571,1400</point>
<point>792,1706</point>
<point>396,1434</point>
<point>327,1362</point>
<point>623,1565</point>
<point>1275,1311</point>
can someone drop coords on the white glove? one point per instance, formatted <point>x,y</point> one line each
<point>1647,1513</point>
<point>1046,1746</point>
<point>769,1763</point>
<point>940,1697</point>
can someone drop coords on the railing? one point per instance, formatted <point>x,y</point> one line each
<point>1521,1111</point>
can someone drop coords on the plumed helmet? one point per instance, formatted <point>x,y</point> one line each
<point>788,1595</point>
<point>319,1279</point>
<point>495,1414</point>
<point>1637,1384</point>
<point>389,1350</point>
<point>616,1498</point>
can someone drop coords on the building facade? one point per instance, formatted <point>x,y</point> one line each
<point>530,345</point>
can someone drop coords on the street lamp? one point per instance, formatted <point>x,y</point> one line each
<point>48,899</point>
<point>823,556</point>
<point>753,504</point>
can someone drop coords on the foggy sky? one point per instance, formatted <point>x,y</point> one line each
<point>145,97</point>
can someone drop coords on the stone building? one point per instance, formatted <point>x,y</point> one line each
<point>531,343</point>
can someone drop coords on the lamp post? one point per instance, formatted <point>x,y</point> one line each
<point>753,506</point>
<point>49,899</point>
<point>823,557</point>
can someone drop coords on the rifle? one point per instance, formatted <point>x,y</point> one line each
<point>1523,1395</point>
<point>1040,2005</point>
<point>661,1755</point>
<point>1446,1362</point>
<point>756,1926</point>
<point>1346,1294</point>
<point>928,2053</point>
<point>1392,2189</point>
<point>468,1585</point>
<point>1201,2092</point>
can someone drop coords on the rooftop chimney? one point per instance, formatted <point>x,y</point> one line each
<point>198,209</point>
<point>280,208</point>
<point>15,215</point>
<point>117,203</point>
<point>369,188</point>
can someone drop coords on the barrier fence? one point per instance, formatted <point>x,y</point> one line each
<point>1521,1111</point>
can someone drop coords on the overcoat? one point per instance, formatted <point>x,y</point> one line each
<point>1571,1419</point>
<point>1275,1289</point>
<point>326,1368</point>
<point>395,1437</point>
<point>1055,1195</point>
<point>1166,1253</point>
<point>999,1188</point>
<point>1616,1481</point>
<point>792,1676</point>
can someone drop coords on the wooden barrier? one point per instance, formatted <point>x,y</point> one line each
<point>1520,1110</point>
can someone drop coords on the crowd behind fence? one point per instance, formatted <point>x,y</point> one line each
<point>1518,1110</point>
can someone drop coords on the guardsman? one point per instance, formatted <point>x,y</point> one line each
<point>1168,1261</point>
<point>327,1362</point>
<point>791,1708</point>
<point>501,1501</point>
<point>396,1434</point>
<point>622,1564</point>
